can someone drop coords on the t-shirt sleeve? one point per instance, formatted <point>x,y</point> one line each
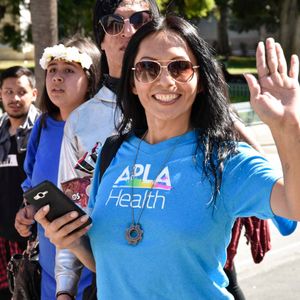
<point>95,184</point>
<point>247,183</point>
<point>30,154</point>
<point>68,154</point>
<point>284,226</point>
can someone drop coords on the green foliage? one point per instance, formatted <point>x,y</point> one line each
<point>252,14</point>
<point>10,31</point>
<point>187,8</point>
<point>75,16</point>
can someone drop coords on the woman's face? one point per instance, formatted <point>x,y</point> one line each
<point>166,99</point>
<point>67,85</point>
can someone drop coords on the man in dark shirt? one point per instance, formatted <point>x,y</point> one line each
<point>17,93</point>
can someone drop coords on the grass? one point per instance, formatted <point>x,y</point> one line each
<point>240,65</point>
<point>4,64</point>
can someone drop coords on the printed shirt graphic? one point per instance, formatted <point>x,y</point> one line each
<point>182,253</point>
<point>140,190</point>
<point>161,182</point>
<point>11,161</point>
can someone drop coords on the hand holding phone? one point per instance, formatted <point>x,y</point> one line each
<point>60,204</point>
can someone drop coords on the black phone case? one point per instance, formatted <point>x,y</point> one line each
<point>60,204</point>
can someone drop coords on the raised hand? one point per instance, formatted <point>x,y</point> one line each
<point>275,96</point>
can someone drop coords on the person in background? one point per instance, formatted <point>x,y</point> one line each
<point>18,94</point>
<point>72,77</point>
<point>164,209</point>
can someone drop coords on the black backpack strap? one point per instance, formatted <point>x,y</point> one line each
<point>108,152</point>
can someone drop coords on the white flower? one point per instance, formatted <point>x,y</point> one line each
<point>61,52</point>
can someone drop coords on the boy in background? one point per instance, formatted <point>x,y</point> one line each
<point>17,93</point>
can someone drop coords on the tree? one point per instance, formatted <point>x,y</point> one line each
<point>44,32</point>
<point>222,12</point>
<point>280,16</point>
<point>290,27</point>
<point>187,8</point>
<point>11,33</point>
<point>252,14</point>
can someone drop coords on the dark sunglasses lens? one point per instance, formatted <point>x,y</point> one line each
<point>112,24</point>
<point>139,18</point>
<point>147,71</point>
<point>181,71</point>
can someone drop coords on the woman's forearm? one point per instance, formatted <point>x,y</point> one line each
<point>84,253</point>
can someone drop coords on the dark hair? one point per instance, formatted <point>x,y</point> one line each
<point>84,45</point>
<point>17,72</point>
<point>210,110</point>
<point>106,7</point>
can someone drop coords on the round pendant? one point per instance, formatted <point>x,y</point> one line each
<point>134,234</point>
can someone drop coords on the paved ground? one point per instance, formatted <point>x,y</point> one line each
<point>277,277</point>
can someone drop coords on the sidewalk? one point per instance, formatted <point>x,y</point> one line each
<point>277,277</point>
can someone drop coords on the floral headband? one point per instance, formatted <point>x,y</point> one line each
<point>61,52</point>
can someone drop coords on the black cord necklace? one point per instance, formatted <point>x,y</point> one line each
<point>134,233</point>
<point>111,82</point>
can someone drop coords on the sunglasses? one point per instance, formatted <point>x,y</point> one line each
<point>114,24</point>
<point>147,71</point>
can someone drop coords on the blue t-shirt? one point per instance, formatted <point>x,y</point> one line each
<point>183,250</point>
<point>41,163</point>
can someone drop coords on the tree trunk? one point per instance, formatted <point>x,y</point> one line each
<point>289,27</point>
<point>44,33</point>
<point>223,47</point>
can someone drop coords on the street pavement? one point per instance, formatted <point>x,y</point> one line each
<point>277,277</point>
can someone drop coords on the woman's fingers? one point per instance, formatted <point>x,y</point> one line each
<point>63,231</point>
<point>40,215</point>
<point>294,69</point>
<point>282,65</point>
<point>261,64</point>
<point>271,54</point>
<point>253,85</point>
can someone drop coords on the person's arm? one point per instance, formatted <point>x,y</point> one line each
<point>24,217</point>
<point>67,267</point>
<point>61,233</point>
<point>69,151</point>
<point>275,97</point>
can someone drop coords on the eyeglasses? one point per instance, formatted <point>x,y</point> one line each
<point>147,71</point>
<point>114,24</point>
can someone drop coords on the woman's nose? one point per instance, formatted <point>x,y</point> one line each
<point>165,77</point>
<point>128,29</point>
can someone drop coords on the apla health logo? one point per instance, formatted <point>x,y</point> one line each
<point>140,178</point>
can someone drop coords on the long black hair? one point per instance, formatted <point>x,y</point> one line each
<point>107,7</point>
<point>210,111</point>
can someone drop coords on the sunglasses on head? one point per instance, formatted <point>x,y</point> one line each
<point>147,71</point>
<point>114,24</point>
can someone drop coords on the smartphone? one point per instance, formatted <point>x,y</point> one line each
<point>48,193</point>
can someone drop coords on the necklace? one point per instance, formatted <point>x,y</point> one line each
<point>134,233</point>
<point>111,82</point>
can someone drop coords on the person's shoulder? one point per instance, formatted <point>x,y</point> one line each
<point>3,119</point>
